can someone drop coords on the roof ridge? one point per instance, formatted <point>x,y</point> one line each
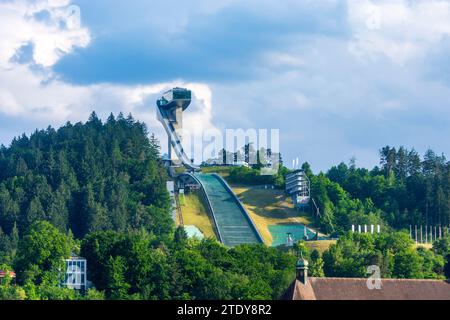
<point>384,279</point>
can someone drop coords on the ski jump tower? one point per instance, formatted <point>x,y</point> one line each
<point>170,113</point>
<point>232,222</point>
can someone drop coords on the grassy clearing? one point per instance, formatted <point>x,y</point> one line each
<point>424,245</point>
<point>269,207</point>
<point>182,199</point>
<point>195,214</point>
<point>224,172</point>
<point>177,220</point>
<point>320,246</point>
<point>179,170</point>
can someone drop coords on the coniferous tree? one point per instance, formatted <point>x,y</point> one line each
<point>85,177</point>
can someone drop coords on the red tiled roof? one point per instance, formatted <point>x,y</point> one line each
<point>11,274</point>
<point>357,289</point>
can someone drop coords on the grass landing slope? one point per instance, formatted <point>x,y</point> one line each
<point>195,214</point>
<point>269,207</point>
<point>320,246</point>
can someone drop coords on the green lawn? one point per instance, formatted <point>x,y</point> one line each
<point>320,246</point>
<point>195,214</point>
<point>224,172</point>
<point>269,207</point>
<point>424,245</point>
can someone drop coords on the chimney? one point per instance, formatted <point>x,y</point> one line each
<point>302,270</point>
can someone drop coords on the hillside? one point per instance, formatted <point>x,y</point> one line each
<point>405,190</point>
<point>195,214</point>
<point>98,190</point>
<point>269,207</point>
<point>85,177</point>
<point>105,182</point>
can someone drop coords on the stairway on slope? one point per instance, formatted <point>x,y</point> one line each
<point>232,221</point>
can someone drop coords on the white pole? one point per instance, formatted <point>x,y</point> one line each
<point>431,234</point>
<point>365,228</point>
<point>372,229</point>
<point>378,228</point>
<point>359,228</point>
<point>416,232</point>
<point>421,234</point>
<point>353,228</point>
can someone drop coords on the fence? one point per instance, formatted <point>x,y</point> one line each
<point>427,234</point>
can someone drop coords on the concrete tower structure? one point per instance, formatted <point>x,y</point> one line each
<point>176,118</point>
<point>170,113</point>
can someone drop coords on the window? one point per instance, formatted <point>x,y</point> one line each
<point>75,275</point>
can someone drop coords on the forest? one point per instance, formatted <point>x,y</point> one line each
<point>404,190</point>
<point>83,178</point>
<point>99,190</point>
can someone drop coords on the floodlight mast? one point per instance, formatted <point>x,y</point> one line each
<point>170,109</point>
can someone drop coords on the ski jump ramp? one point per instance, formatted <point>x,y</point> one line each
<point>233,224</point>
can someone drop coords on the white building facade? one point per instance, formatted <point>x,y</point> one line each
<point>298,187</point>
<point>76,273</point>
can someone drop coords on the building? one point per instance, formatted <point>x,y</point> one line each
<point>170,113</point>
<point>76,273</point>
<point>305,288</point>
<point>298,187</point>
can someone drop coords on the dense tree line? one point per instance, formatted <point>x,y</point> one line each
<point>138,265</point>
<point>337,209</point>
<point>84,177</point>
<point>405,190</point>
<point>394,253</point>
<point>253,176</point>
<point>39,265</point>
<point>98,190</point>
<point>135,265</point>
<point>253,173</point>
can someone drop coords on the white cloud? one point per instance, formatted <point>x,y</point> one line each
<point>327,106</point>
<point>43,98</point>
<point>52,38</point>
<point>399,29</point>
<point>283,59</point>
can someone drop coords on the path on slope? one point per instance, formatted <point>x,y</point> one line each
<point>234,225</point>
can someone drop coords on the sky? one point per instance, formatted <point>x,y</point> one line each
<point>339,79</point>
